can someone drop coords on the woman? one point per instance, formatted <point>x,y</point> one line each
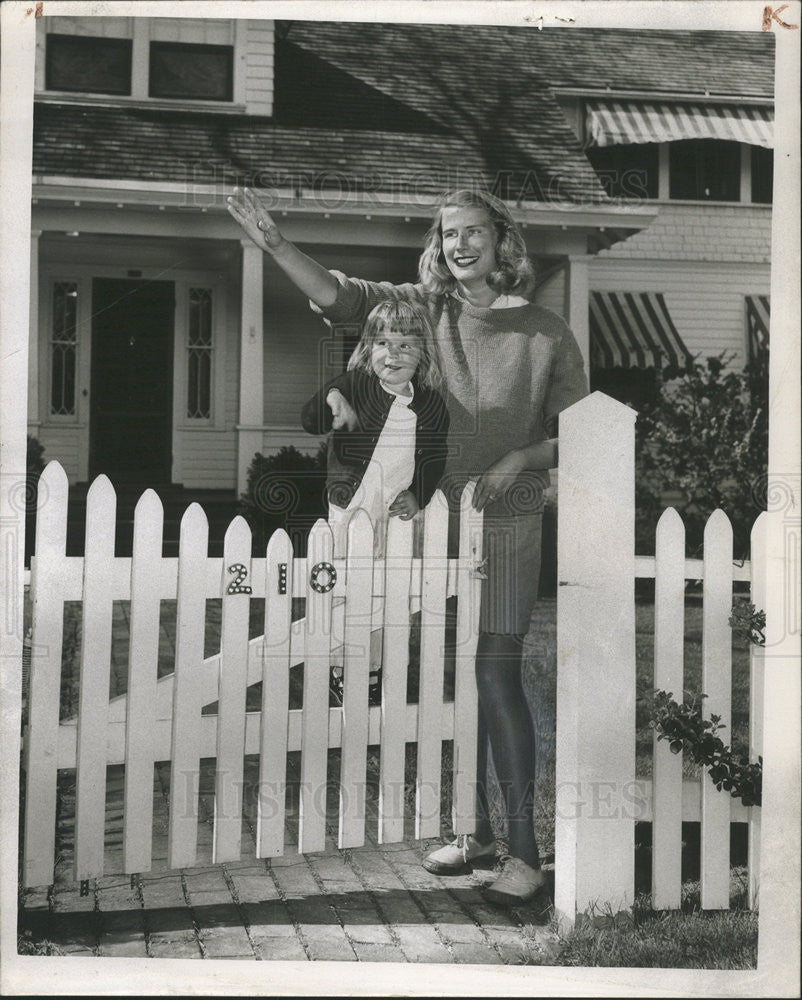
<point>510,367</point>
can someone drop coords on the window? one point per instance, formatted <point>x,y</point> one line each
<point>705,170</point>
<point>63,346</point>
<point>199,364</point>
<point>186,70</point>
<point>762,174</point>
<point>93,65</point>
<point>627,171</point>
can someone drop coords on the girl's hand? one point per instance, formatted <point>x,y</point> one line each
<point>498,478</point>
<point>341,410</point>
<point>404,506</point>
<point>246,208</point>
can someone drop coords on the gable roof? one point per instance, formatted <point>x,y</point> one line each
<point>363,107</point>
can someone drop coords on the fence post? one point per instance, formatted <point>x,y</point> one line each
<point>757,564</point>
<point>595,829</point>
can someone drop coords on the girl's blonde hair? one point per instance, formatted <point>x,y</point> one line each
<point>402,317</point>
<point>514,272</point>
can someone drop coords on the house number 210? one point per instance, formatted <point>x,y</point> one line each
<point>236,587</point>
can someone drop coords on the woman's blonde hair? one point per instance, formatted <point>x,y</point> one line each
<point>514,272</point>
<point>404,317</point>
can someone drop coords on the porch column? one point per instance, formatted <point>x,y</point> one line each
<point>251,372</point>
<point>33,338</point>
<point>577,301</point>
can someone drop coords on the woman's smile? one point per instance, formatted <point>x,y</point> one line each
<point>469,245</point>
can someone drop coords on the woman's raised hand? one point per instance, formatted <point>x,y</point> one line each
<point>249,212</point>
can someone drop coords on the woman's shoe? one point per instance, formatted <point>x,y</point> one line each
<point>456,857</point>
<point>517,883</point>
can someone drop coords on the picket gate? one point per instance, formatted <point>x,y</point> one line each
<point>599,795</point>
<point>160,719</point>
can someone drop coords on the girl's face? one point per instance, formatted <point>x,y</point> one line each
<point>395,356</point>
<point>469,244</point>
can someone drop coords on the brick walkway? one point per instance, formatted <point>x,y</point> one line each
<point>371,904</point>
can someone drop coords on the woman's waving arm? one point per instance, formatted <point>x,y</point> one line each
<point>305,273</point>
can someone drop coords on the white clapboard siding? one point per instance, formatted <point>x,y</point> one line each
<point>356,648</point>
<point>432,647</point>
<point>275,697</point>
<point>185,747</point>
<point>314,749</point>
<point>469,594</point>
<point>717,685</point>
<point>259,66</point>
<point>47,628</point>
<point>669,638</point>
<point>143,658</point>
<point>395,662</point>
<point>756,672</point>
<point>236,588</point>
<point>93,698</point>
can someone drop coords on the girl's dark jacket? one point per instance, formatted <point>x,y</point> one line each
<point>349,452</point>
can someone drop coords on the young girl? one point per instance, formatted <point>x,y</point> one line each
<point>389,423</point>
<point>387,446</point>
<point>510,368</point>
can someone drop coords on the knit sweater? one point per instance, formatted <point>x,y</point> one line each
<point>350,452</point>
<point>509,372</point>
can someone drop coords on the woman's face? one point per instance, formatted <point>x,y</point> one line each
<point>469,244</point>
<point>395,356</point>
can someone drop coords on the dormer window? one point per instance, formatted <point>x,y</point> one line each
<point>190,71</point>
<point>88,64</point>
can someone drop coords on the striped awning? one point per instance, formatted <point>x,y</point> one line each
<point>634,330</point>
<point>611,123</point>
<point>758,308</point>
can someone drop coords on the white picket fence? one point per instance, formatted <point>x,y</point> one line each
<point>599,796</point>
<point>162,720</point>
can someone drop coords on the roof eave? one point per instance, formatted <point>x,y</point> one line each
<point>212,197</point>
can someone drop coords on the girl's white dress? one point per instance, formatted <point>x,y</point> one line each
<point>390,471</point>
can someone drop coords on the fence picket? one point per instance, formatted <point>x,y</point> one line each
<point>469,595</point>
<point>143,657</point>
<point>758,597</point>
<point>182,830</point>
<point>669,636</point>
<point>395,663</point>
<point>432,643</point>
<point>356,649</point>
<point>93,698</point>
<point>236,589</point>
<point>314,739</point>
<point>717,685</point>
<point>47,632</point>
<point>275,697</point>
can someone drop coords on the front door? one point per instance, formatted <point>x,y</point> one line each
<point>130,436</point>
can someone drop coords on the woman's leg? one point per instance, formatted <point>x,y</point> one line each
<point>504,715</point>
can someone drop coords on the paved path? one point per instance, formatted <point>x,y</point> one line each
<point>371,904</point>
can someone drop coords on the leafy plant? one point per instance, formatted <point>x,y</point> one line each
<point>686,730</point>
<point>705,439</point>
<point>284,490</point>
<point>748,623</point>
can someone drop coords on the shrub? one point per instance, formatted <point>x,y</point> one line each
<point>284,490</point>
<point>34,467</point>
<point>704,440</point>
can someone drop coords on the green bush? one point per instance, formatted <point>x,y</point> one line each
<point>284,490</point>
<point>34,467</point>
<point>704,444</point>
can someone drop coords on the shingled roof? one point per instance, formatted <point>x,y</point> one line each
<point>405,108</point>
